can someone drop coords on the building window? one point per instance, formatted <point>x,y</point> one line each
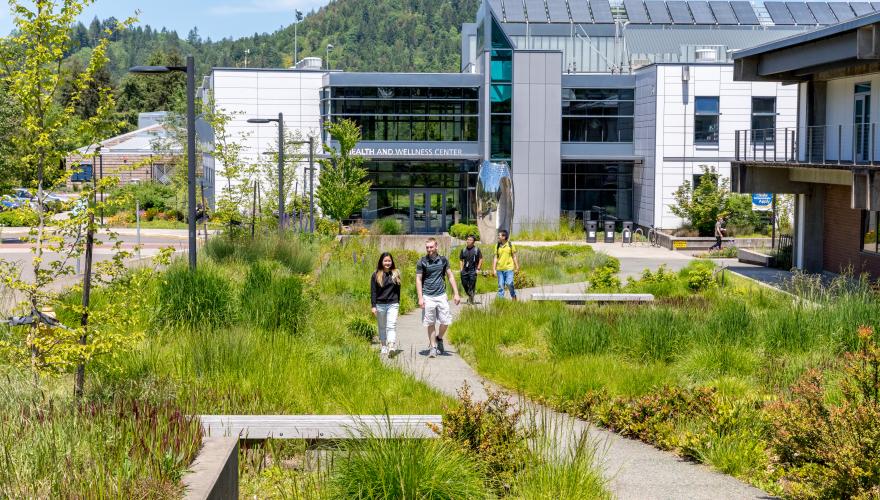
<point>870,223</point>
<point>598,187</point>
<point>597,115</point>
<point>706,119</point>
<point>763,119</point>
<point>408,114</point>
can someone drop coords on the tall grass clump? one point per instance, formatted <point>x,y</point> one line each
<point>573,334</point>
<point>387,226</point>
<point>542,230</point>
<point>384,467</point>
<point>655,334</point>
<point>294,252</point>
<point>194,298</point>
<point>272,298</point>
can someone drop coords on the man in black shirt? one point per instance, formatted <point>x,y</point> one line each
<point>471,262</point>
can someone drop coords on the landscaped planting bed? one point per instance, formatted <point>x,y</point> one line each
<point>265,327</point>
<point>779,391</point>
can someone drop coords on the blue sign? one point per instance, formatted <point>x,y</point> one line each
<point>762,201</point>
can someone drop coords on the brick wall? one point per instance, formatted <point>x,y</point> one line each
<point>843,234</point>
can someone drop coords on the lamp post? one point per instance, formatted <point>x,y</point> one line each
<point>280,122</point>
<point>298,16</point>
<point>329,48</point>
<point>190,71</point>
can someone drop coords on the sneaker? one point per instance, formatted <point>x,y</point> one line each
<point>392,350</point>
<point>440,347</point>
<point>384,350</point>
<point>432,353</point>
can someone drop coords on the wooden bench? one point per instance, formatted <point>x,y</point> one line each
<point>319,427</point>
<point>583,298</point>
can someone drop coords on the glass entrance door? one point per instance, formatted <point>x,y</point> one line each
<point>862,122</point>
<point>428,211</point>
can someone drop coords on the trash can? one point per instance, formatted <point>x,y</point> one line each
<point>609,231</point>
<point>627,233</point>
<point>591,227</point>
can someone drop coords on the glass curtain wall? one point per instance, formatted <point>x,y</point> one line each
<point>500,95</point>
<point>597,115</point>
<point>597,186</point>
<point>408,113</point>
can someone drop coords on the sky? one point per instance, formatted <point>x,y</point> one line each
<point>215,18</point>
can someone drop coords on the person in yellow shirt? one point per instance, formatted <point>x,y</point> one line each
<point>505,264</point>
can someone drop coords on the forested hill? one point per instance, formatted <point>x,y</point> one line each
<point>367,35</point>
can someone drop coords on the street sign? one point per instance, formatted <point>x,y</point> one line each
<point>762,202</point>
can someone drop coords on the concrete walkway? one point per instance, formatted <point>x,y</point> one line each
<point>634,469</point>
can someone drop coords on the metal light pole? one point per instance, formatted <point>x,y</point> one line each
<point>329,48</point>
<point>190,71</point>
<point>298,16</point>
<point>280,122</point>
<point>312,185</point>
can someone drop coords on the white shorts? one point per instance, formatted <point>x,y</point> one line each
<point>436,309</point>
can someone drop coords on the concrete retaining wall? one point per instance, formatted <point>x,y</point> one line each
<point>214,474</point>
<point>703,243</point>
<point>752,257</point>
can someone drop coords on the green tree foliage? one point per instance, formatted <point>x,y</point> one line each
<point>343,187</point>
<point>700,206</point>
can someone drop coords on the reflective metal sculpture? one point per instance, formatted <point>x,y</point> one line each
<point>494,200</point>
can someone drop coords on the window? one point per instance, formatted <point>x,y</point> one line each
<point>870,223</point>
<point>597,115</point>
<point>408,113</point>
<point>604,185</point>
<point>706,118</point>
<point>763,119</point>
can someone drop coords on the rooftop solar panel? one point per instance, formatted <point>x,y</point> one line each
<point>779,13</point>
<point>657,11</point>
<point>842,11</point>
<point>601,11</point>
<point>580,12</point>
<point>744,12</point>
<point>536,11</point>
<point>635,11</point>
<point>723,12</point>
<point>513,11</point>
<point>558,11</point>
<point>822,12</point>
<point>680,12</point>
<point>496,8</point>
<point>801,13</point>
<point>861,8</point>
<point>701,11</point>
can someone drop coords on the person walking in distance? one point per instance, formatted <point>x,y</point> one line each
<point>431,273</point>
<point>385,298</point>
<point>471,262</point>
<point>505,264</point>
<point>719,233</point>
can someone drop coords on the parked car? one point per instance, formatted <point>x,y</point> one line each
<point>9,203</point>
<point>25,198</point>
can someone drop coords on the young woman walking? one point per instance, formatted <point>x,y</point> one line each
<point>385,298</point>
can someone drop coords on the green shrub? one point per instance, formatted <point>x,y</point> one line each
<point>154,197</point>
<point>828,448</point>
<point>19,217</point>
<point>406,468</point>
<point>490,430</point>
<point>462,231</point>
<point>387,225</point>
<point>326,227</point>
<point>604,279</point>
<point>273,299</point>
<point>700,279</point>
<point>522,280</point>
<point>194,299</point>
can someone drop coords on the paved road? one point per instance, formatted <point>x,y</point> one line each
<point>635,470</point>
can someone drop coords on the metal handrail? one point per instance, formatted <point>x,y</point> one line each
<point>839,144</point>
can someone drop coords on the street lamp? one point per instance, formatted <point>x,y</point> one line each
<point>329,48</point>
<point>280,122</point>
<point>190,71</point>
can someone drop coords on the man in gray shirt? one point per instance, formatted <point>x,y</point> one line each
<point>431,273</point>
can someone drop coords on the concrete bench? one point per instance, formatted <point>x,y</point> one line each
<point>319,427</point>
<point>583,298</point>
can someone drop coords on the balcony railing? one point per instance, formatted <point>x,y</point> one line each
<point>842,144</point>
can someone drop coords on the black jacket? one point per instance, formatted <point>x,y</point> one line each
<point>388,293</point>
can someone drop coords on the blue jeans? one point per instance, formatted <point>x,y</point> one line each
<point>505,279</point>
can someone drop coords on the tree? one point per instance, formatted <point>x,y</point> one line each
<point>228,164</point>
<point>342,187</point>
<point>48,131</point>
<point>700,206</point>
